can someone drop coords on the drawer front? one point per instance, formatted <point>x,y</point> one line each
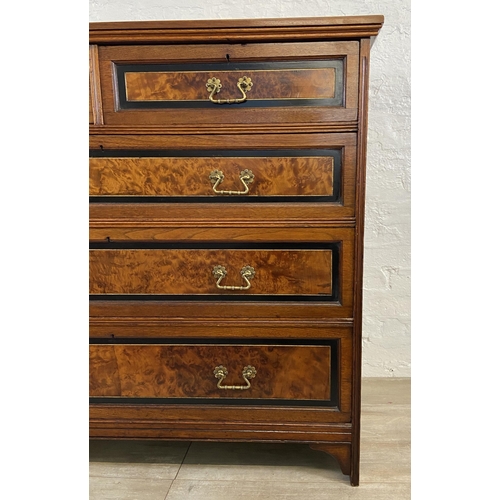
<point>251,83</point>
<point>142,193</point>
<point>217,272</point>
<point>222,175</point>
<point>297,372</point>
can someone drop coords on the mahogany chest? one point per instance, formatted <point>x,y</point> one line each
<point>227,182</point>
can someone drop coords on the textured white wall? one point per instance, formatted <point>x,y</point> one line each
<point>386,343</point>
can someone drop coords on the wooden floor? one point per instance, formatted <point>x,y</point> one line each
<point>143,470</point>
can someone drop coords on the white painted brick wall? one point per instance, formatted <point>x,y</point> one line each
<point>386,335</point>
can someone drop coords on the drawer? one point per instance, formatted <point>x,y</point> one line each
<point>310,178</point>
<point>221,175</point>
<point>267,371</point>
<point>216,272</point>
<point>225,84</point>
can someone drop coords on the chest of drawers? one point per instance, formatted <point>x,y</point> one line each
<point>227,167</point>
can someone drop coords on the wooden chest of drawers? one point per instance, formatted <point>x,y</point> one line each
<point>227,167</point>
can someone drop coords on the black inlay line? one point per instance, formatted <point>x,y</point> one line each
<point>214,401</point>
<point>208,199</point>
<point>337,63</point>
<point>204,341</point>
<point>212,245</point>
<point>247,104</point>
<point>188,153</point>
<point>335,153</point>
<point>334,297</point>
<point>217,298</point>
<point>336,101</point>
<point>333,402</point>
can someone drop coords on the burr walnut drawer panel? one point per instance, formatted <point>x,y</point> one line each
<point>216,272</point>
<point>289,372</point>
<point>228,84</point>
<point>215,174</point>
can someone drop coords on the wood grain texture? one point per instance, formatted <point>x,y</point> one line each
<point>199,137</point>
<point>216,214</point>
<point>118,323</point>
<point>359,254</point>
<point>180,272</point>
<point>111,429</point>
<point>180,419</point>
<point>164,230</point>
<point>187,371</point>
<point>95,100</point>
<point>191,86</point>
<point>218,222</point>
<point>341,451</point>
<point>189,176</point>
<point>91,113</point>
<point>234,129</point>
<point>201,311</point>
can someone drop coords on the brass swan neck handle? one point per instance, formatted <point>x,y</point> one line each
<point>221,372</point>
<point>246,178</point>
<point>247,273</point>
<point>214,85</point>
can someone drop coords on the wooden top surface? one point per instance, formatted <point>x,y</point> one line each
<point>227,30</point>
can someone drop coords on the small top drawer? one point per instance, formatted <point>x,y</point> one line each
<point>229,83</point>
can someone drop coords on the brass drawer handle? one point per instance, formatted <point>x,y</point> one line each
<point>214,85</point>
<point>247,273</point>
<point>216,177</point>
<point>221,372</point>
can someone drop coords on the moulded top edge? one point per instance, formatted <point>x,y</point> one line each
<point>133,31</point>
<point>260,22</point>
